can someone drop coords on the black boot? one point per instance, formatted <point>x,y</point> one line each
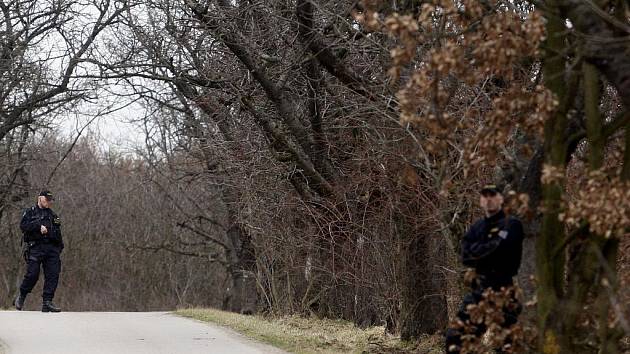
<point>48,306</point>
<point>19,302</point>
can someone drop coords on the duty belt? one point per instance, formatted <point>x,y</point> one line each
<point>493,281</point>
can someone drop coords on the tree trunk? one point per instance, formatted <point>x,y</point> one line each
<point>242,257</point>
<point>423,307</point>
<point>549,262</point>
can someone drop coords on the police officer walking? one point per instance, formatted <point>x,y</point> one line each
<point>43,242</point>
<point>493,247</point>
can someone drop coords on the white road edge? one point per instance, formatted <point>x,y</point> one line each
<point>30,332</point>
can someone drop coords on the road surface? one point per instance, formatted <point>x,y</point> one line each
<point>30,332</point>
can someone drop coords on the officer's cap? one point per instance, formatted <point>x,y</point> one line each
<point>47,194</point>
<point>490,189</point>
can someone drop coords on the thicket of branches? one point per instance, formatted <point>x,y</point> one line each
<point>118,218</point>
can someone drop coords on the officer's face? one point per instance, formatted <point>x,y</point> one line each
<point>491,202</point>
<point>45,202</point>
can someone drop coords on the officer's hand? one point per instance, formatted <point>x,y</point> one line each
<point>44,230</point>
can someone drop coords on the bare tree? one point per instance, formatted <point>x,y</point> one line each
<point>42,48</point>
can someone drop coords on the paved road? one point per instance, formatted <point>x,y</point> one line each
<point>30,332</point>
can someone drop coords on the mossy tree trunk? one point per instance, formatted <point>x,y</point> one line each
<point>549,262</point>
<point>562,295</point>
<point>584,247</point>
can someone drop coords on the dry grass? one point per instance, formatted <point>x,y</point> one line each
<point>310,335</point>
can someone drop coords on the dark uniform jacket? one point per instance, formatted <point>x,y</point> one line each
<point>493,246</point>
<point>32,220</point>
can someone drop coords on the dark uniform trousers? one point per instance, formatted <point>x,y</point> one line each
<point>46,256</point>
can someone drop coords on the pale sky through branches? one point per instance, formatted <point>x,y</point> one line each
<point>113,126</point>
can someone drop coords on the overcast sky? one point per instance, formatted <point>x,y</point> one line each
<point>115,130</point>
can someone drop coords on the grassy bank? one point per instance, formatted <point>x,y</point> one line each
<point>309,335</point>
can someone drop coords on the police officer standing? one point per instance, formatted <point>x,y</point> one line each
<point>493,247</point>
<point>42,236</point>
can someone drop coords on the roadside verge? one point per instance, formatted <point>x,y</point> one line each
<point>311,335</point>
